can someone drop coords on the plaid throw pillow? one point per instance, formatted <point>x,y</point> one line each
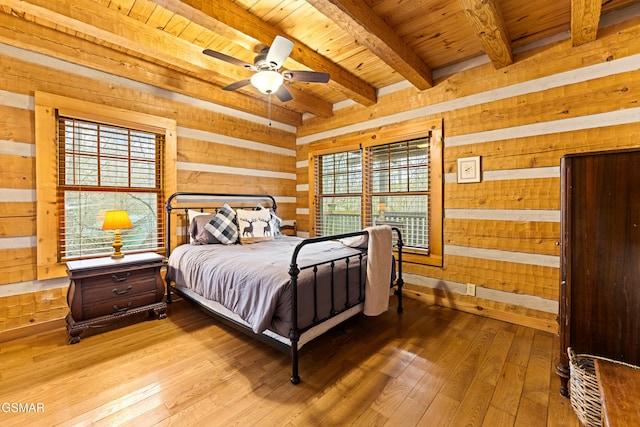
<point>222,225</point>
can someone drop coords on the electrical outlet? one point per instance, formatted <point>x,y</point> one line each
<point>471,289</point>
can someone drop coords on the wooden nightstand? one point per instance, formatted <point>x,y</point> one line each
<point>103,290</point>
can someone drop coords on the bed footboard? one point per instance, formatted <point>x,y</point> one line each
<point>294,271</point>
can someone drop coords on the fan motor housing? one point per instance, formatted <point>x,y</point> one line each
<point>260,62</point>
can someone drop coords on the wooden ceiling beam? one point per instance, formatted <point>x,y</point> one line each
<point>359,20</point>
<point>585,16</point>
<point>486,18</point>
<point>112,29</point>
<point>304,101</point>
<point>229,13</point>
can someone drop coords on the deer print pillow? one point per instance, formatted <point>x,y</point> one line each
<point>254,226</point>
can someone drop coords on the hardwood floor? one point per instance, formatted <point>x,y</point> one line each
<point>431,366</point>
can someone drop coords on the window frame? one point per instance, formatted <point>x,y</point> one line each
<point>47,108</point>
<point>399,132</point>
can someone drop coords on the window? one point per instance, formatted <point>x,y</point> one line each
<point>399,190</point>
<point>91,158</point>
<point>340,201</point>
<point>398,183</point>
<point>104,167</point>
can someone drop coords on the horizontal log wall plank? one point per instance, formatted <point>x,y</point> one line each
<point>530,237</point>
<point>17,265</point>
<point>198,151</point>
<point>505,276</point>
<point>224,183</point>
<point>14,226</point>
<point>514,194</point>
<point>16,124</point>
<point>17,209</point>
<point>17,171</point>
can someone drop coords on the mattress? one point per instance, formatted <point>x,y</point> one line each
<point>252,281</point>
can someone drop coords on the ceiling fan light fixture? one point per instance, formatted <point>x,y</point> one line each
<point>267,78</point>
<point>267,81</point>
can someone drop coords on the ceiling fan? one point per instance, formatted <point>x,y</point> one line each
<point>268,79</point>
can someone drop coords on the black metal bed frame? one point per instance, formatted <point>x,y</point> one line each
<point>294,271</point>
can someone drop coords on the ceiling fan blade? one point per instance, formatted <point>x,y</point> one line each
<point>283,94</point>
<point>279,51</point>
<point>306,76</point>
<point>229,59</point>
<point>237,85</point>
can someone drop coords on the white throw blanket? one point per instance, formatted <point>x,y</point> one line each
<point>379,259</point>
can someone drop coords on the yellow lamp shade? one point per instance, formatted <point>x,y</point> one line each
<point>117,219</point>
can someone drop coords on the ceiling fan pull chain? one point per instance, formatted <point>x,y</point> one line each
<point>269,111</point>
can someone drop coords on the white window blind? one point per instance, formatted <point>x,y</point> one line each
<point>104,167</point>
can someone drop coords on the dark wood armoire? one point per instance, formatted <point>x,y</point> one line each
<point>600,257</point>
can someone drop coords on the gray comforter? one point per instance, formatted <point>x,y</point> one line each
<point>253,280</point>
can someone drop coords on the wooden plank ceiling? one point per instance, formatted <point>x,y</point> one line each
<point>364,45</point>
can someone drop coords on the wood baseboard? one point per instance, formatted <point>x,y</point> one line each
<point>28,330</point>
<point>477,307</point>
<point>411,292</point>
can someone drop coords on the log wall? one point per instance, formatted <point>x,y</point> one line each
<point>502,234</point>
<point>218,150</point>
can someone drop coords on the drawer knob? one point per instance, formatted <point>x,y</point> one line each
<point>117,279</point>
<point>117,292</point>
<point>117,309</point>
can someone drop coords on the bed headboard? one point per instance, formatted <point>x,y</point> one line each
<point>179,204</point>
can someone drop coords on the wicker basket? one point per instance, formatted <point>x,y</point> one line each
<point>584,393</point>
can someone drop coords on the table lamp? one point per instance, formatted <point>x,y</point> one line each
<point>115,220</point>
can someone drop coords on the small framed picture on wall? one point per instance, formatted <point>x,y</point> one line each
<point>469,169</point>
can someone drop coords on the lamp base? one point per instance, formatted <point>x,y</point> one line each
<point>117,244</point>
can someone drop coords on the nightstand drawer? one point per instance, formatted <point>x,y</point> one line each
<point>121,284</point>
<point>118,305</point>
